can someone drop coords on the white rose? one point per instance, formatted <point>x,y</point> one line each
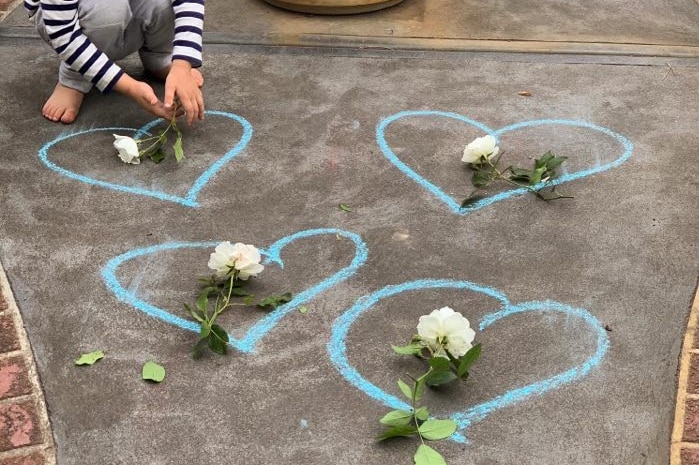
<point>446,329</point>
<point>243,258</point>
<point>128,149</point>
<point>480,147</point>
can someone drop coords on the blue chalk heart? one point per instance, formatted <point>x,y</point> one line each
<point>464,418</point>
<point>455,206</point>
<point>272,255</point>
<point>190,199</point>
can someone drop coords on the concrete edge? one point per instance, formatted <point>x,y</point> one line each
<point>419,44</point>
<point>9,9</point>
<point>47,445</point>
<point>453,45</point>
<point>677,443</point>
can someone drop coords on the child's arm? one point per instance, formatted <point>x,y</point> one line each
<point>67,39</point>
<point>60,19</point>
<point>189,24</point>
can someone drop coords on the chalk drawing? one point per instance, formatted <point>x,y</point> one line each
<point>455,206</point>
<point>190,198</point>
<point>272,255</point>
<point>337,348</point>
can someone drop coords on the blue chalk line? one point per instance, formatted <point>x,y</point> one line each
<point>455,206</point>
<point>190,199</point>
<point>337,348</point>
<point>272,255</point>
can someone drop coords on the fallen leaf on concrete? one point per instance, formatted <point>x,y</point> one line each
<point>524,93</point>
<point>153,372</point>
<point>90,359</point>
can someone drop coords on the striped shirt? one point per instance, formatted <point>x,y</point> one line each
<point>60,18</point>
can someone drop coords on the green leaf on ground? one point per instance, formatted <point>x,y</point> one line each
<point>422,413</point>
<point>203,301</point>
<point>437,378</point>
<point>419,388</point>
<point>218,340</point>
<point>397,418</point>
<point>177,147</point>
<point>345,208</point>
<point>90,359</point>
<point>397,432</point>
<point>425,455</point>
<point>195,315</point>
<point>157,155</point>
<point>405,389</point>
<point>303,309</point>
<point>275,300</point>
<point>439,363</point>
<point>411,349</point>
<point>153,372</point>
<point>467,360</point>
<point>435,430</point>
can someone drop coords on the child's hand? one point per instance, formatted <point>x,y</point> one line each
<point>180,83</point>
<point>144,95</point>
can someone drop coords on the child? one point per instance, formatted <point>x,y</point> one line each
<point>89,35</point>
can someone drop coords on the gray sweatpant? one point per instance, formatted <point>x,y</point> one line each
<point>119,28</point>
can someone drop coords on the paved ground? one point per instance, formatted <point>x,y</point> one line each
<point>620,259</point>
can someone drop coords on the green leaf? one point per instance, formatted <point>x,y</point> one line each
<point>345,208</point>
<point>439,363</point>
<point>177,147</point>
<point>435,430</point>
<point>397,418</point>
<point>157,155</point>
<point>419,388</point>
<point>554,162</point>
<point>303,309</point>
<point>89,359</point>
<point>275,300</point>
<point>397,431</point>
<point>437,378</point>
<point>425,455</point>
<point>218,340</point>
<point>422,413</point>
<point>203,301</point>
<point>411,349</point>
<point>204,330</point>
<point>481,179</point>
<point>194,314</point>
<point>405,389</point>
<point>467,360</point>
<point>153,372</point>
<point>249,300</point>
<point>536,176</point>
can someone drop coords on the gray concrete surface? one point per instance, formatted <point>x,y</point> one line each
<point>625,249</point>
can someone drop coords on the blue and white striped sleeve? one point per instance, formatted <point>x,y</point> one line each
<point>189,26</point>
<point>67,39</point>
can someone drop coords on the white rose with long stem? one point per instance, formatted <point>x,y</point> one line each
<point>481,147</point>
<point>445,329</point>
<point>128,149</point>
<point>245,259</point>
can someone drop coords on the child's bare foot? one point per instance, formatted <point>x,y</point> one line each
<point>63,105</point>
